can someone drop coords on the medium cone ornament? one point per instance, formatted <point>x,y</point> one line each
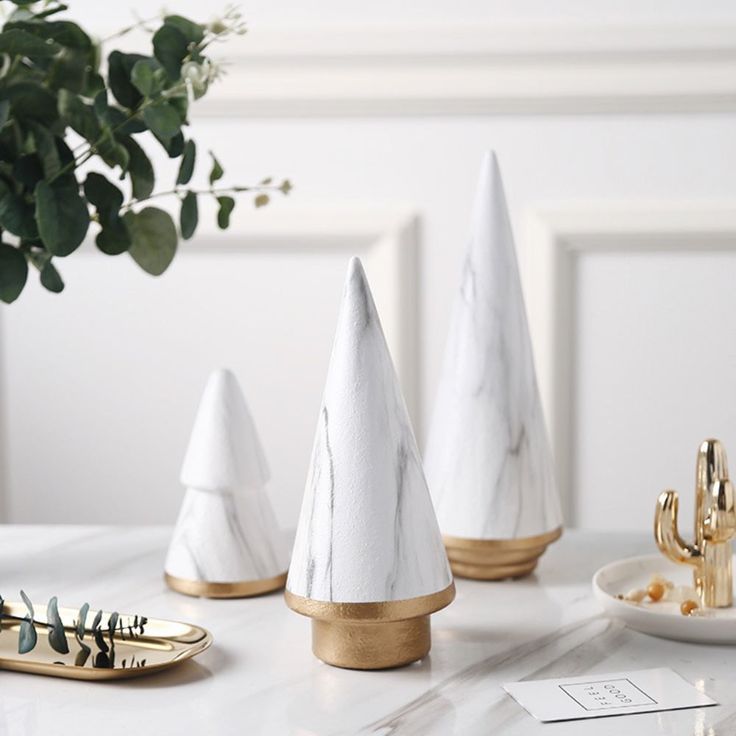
<point>227,543</point>
<point>488,460</point>
<point>368,565</point>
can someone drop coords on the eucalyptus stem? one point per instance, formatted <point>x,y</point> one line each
<point>140,23</point>
<point>51,11</point>
<point>36,622</point>
<point>91,149</point>
<point>214,191</point>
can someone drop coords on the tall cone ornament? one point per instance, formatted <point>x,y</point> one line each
<point>368,565</point>
<point>227,542</point>
<point>488,460</point>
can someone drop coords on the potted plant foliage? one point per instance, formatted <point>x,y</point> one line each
<point>65,107</point>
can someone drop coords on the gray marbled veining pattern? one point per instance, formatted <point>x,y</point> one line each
<point>260,679</point>
<point>227,530</point>
<point>367,530</point>
<point>487,459</point>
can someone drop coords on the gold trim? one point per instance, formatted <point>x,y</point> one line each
<point>383,611</point>
<point>371,646</point>
<point>243,589</point>
<point>496,559</point>
<point>519,543</point>
<point>371,636</point>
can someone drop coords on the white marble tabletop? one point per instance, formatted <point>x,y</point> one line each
<point>261,678</point>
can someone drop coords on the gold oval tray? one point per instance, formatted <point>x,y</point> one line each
<point>163,644</point>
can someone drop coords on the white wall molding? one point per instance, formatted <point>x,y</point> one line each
<point>554,238</point>
<point>473,70</point>
<point>386,239</point>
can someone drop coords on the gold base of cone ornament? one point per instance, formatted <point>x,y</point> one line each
<point>242,589</point>
<point>371,636</point>
<point>496,559</point>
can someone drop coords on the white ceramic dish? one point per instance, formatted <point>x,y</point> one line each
<point>714,626</point>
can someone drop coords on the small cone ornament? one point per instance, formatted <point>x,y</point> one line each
<point>227,543</point>
<point>368,564</point>
<point>488,461</point>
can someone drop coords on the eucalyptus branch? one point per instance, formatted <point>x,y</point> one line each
<point>59,8</point>
<point>91,149</point>
<point>182,190</point>
<point>37,622</point>
<point>104,637</point>
<point>140,23</point>
<point>45,203</point>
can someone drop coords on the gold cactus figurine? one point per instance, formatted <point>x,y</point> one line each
<point>715,527</point>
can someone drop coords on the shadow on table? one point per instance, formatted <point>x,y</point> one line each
<point>186,673</point>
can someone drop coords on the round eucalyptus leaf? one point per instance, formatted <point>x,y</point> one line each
<point>170,46</point>
<point>227,205</point>
<point>17,216</point>
<point>80,116</point>
<point>175,146</point>
<point>82,655</point>
<point>57,636</point>
<point>163,119</point>
<point>120,66</point>
<point>103,195</point>
<point>28,170</point>
<point>28,603</point>
<point>115,118</point>
<point>16,42</point>
<point>48,153</point>
<point>140,169</point>
<point>189,216</point>
<point>13,273</point>
<point>51,279</point>
<point>111,151</point>
<point>193,32</point>
<point>114,238</point>
<point>61,215</point>
<point>63,32</point>
<point>154,239</point>
<point>148,77</point>
<point>82,620</point>
<point>27,637</point>
<point>217,171</point>
<point>31,101</point>
<point>188,159</point>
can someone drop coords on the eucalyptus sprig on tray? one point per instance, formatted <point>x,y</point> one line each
<point>62,110</point>
<point>103,637</point>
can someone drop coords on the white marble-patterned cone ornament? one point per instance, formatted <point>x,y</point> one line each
<point>488,460</point>
<point>227,542</point>
<point>368,565</point>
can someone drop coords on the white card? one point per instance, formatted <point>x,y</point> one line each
<point>619,693</point>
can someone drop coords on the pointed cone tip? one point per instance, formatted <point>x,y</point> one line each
<point>490,171</point>
<point>224,450</point>
<point>222,380</point>
<point>356,272</point>
<point>357,298</point>
<point>490,159</point>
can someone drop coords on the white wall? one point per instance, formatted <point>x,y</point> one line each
<point>101,383</point>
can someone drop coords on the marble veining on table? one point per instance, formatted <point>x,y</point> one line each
<point>261,678</point>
